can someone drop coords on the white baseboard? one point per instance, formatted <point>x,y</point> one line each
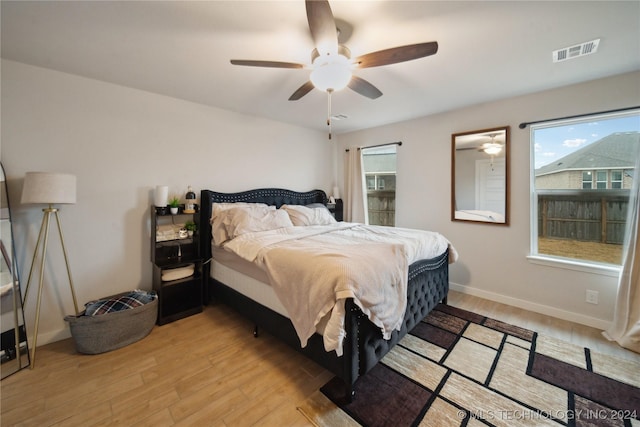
<point>49,337</point>
<point>531,306</point>
<point>53,336</point>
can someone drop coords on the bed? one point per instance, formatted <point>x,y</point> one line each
<point>235,283</point>
<point>479,215</point>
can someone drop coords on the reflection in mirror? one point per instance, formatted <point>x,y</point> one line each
<point>480,176</point>
<point>14,354</point>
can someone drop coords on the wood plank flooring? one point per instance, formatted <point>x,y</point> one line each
<point>207,369</point>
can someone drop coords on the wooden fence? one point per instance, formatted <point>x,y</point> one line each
<point>382,207</point>
<point>585,215</point>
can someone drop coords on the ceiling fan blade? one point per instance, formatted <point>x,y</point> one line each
<point>302,91</point>
<point>270,64</point>
<point>364,88</point>
<point>322,26</point>
<point>396,54</point>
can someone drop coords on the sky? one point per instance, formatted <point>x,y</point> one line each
<point>553,143</point>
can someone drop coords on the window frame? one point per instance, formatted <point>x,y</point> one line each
<point>614,181</point>
<point>589,181</point>
<point>378,176</point>
<point>598,175</point>
<point>534,257</point>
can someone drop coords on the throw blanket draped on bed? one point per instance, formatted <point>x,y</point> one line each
<point>314,269</point>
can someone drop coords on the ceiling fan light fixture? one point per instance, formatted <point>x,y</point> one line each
<point>331,72</point>
<point>492,148</point>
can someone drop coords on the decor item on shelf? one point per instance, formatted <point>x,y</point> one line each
<point>160,197</point>
<point>190,204</point>
<point>50,189</point>
<point>191,227</point>
<point>174,204</point>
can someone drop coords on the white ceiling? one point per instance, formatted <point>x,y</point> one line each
<point>487,50</point>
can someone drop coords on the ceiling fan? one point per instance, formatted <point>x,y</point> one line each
<point>491,147</point>
<point>331,62</point>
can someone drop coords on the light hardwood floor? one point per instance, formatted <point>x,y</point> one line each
<point>207,369</point>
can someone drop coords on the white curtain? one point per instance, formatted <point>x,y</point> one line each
<point>354,208</point>
<point>626,321</point>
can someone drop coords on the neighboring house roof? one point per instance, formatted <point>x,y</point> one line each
<point>616,151</point>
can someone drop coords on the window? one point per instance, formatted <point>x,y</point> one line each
<point>587,181</point>
<point>379,164</point>
<point>616,179</point>
<point>582,171</point>
<point>601,179</point>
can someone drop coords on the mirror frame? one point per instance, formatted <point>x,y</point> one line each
<point>476,137</point>
<point>15,351</point>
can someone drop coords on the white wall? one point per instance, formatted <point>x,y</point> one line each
<point>121,143</point>
<point>493,261</point>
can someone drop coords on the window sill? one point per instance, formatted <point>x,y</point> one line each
<point>577,265</point>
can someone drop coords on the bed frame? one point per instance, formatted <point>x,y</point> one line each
<point>363,346</point>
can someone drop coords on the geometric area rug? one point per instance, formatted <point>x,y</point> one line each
<point>458,368</point>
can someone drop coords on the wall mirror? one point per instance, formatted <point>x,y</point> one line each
<point>14,353</point>
<point>480,176</point>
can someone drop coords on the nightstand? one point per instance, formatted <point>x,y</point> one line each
<point>336,209</point>
<point>177,265</point>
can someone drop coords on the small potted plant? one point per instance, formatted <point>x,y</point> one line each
<point>174,204</point>
<point>191,227</point>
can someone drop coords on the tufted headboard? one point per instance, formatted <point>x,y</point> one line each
<point>271,196</point>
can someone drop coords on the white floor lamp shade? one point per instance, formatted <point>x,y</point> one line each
<point>51,189</point>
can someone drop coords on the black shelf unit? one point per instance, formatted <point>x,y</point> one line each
<point>182,297</point>
<point>336,209</point>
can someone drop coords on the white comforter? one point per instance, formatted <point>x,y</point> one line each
<point>314,269</point>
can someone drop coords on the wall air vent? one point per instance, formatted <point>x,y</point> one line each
<point>576,51</point>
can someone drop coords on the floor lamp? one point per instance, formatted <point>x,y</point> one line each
<point>50,189</point>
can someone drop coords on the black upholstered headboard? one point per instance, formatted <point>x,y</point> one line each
<point>271,196</point>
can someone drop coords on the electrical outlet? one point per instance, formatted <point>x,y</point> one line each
<point>592,297</point>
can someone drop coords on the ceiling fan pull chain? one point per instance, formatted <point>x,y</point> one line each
<point>329,91</point>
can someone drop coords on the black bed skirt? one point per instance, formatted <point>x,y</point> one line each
<point>428,285</point>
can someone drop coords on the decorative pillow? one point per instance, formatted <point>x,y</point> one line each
<point>303,215</point>
<point>123,302</point>
<point>219,220</point>
<point>242,220</point>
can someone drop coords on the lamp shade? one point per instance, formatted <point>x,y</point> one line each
<point>161,195</point>
<point>331,72</point>
<point>492,149</point>
<point>49,188</point>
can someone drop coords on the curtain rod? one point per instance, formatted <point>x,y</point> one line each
<point>525,124</point>
<point>379,145</point>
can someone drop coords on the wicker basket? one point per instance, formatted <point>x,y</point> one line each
<point>106,332</point>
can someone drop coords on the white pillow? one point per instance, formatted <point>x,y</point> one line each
<point>302,215</point>
<point>219,220</point>
<point>243,220</point>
